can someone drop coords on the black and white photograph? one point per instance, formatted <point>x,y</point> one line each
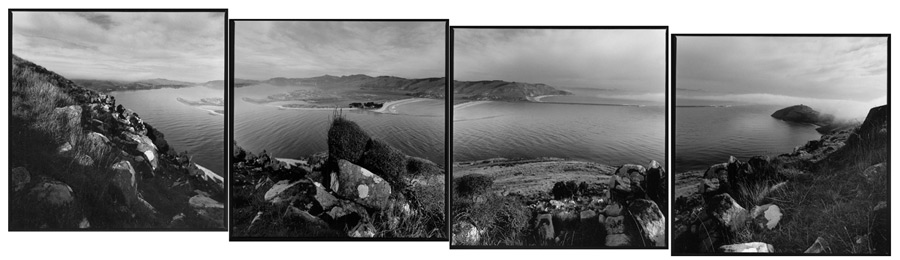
<point>339,130</point>
<point>781,144</point>
<point>559,137</point>
<point>116,120</point>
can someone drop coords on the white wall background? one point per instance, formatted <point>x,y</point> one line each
<point>681,16</point>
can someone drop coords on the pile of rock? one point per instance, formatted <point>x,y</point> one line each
<point>117,151</point>
<point>621,213</point>
<point>712,223</point>
<point>361,188</point>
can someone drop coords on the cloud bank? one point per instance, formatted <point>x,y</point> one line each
<point>268,49</point>
<point>631,60</point>
<point>185,46</point>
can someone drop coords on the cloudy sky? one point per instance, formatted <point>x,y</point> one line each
<point>187,46</point>
<point>828,71</point>
<point>299,49</point>
<point>632,60</point>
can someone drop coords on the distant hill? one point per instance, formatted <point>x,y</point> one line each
<point>424,87</point>
<point>116,85</point>
<point>503,90</point>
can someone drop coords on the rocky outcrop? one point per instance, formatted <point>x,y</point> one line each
<point>98,158</point>
<point>617,212</point>
<point>738,201</point>
<point>360,188</point>
<point>803,114</point>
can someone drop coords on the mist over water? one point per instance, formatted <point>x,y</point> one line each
<point>709,135</point>
<point>612,135</point>
<point>417,128</point>
<point>186,128</point>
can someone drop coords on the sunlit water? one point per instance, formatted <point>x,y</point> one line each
<point>612,135</point>
<point>709,135</point>
<point>416,128</point>
<point>196,130</point>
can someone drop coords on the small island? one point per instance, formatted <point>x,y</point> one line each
<point>803,114</point>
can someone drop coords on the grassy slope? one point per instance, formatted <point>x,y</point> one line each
<point>35,133</point>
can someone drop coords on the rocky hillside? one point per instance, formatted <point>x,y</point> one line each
<point>558,203</point>
<point>116,85</point>
<point>828,196</point>
<point>803,114</point>
<point>503,90</point>
<point>79,161</point>
<point>360,188</point>
<point>425,87</point>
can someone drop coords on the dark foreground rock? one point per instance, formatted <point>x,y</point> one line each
<point>615,212</point>
<point>360,188</point>
<point>84,162</point>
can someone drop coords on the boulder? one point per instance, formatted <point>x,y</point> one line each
<point>615,232</point>
<point>657,185</point>
<point>714,178</point>
<point>84,224</point>
<point>385,161</point>
<point>97,143</point>
<point>362,186</point>
<point>363,230</point>
<point>875,173</point>
<point>635,173</point>
<point>650,220</point>
<point>52,193</point>
<point>346,140</point>
<point>325,199</point>
<point>19,178</point>
<point>724,209</point>
<point>70,116</point>
<point>752,247</point>
<point>544,227</point>
<point>285,192</point>
<point>304,216</point>
<point>766,216</point>
<point>820,246</point>
<point>347,215</point>
<point>564,220</point>
<point>464,233</point>
<point>208,209</point>
<point>125,181</point>
<point>84,160</point>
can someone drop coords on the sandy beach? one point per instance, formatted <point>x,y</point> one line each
<point>469,104</point>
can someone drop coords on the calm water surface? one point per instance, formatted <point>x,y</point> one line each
<point>186,128</point>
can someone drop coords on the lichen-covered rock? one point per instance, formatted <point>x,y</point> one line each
<point>766,216</point>
<point>465,233</point>
<point>727,211</point>
<point>651,221</point>
<point>362,186</point>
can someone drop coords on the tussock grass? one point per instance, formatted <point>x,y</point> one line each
<point>346,139</point>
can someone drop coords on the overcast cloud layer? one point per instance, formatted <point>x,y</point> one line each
<point>631,60</point>
<point>782,68</point>
<point>185,46</point>
<point>298,49</point>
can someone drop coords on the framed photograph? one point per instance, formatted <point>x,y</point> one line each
<point>117,119</point>
<point>559,137</point>
<point>782,144</point>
